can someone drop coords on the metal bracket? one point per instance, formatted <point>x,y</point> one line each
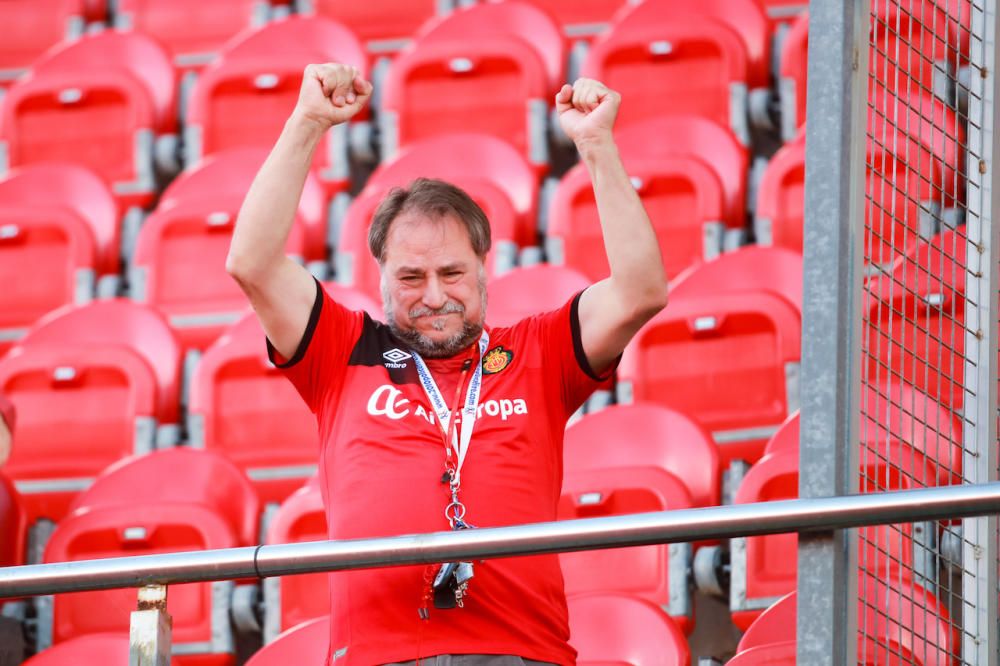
<point>150,629</point>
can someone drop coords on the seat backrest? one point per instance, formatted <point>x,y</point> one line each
<point>617,629</point>
<point>192,31</point>
<point>310,35</point>
<point>534,25</point>
<point>137,54</point>
<point>306,644</point>
<point>125,323</point>
<point>138,528</point>
<point>467,74</point>
<point>300,518</point>
<point>745,17</point>
<point>787,436</point>
<point>582,19</point>
<point>701,62</point>
<point>76,189</point>
<point>646,434</point>
<point>682,196</point>
<point>693,137</point>
<point>773,270</point>
<point>446,157</point>
<point>33,26</point>
<point>80,408</point>
<point>531,290</point>
<point>780,212</point>
<point>108,649</point>
<point>179,476</point>
<point>793,82</point>
<point>726,359</point>
<point>774,625</point>
<point>229,173</point>
<point>385,26</point>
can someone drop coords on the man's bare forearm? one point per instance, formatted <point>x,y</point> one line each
<point>269,210</point>
<point>631,245</point>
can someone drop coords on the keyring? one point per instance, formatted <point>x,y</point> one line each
<point>454,512</point>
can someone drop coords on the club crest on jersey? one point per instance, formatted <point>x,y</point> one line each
<point>496,360</point>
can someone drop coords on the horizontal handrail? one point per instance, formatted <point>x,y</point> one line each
<point>720,522</point>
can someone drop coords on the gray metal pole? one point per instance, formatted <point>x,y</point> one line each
<point>721,522</point>
<point>831,321</point>
<point>980,636</point>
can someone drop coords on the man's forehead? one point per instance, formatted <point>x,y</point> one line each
<point>415,238</point>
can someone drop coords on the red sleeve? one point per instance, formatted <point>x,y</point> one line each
<point>320,360</point>
<point>565,358</point>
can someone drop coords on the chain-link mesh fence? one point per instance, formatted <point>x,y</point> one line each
<point>927,355</point>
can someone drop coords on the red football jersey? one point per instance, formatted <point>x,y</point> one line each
<point>381,464</point>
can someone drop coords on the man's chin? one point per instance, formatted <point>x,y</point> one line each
<point>439,344</point>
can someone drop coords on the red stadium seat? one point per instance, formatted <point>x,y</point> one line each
<point>289,600</point>
<point>701,62</point>
<point>915,318</point>
<point>499,180</point>
<point>613,629</point>
<point>510,17</point>
<point>244,98</point>
<point>178,476</point>
<point>64,218</point>
<point>31,27</point>
<point>447,85</point>
<point>145,529</point>
<point>750,268</point>
<point>80,408</point>
<point>122,323</point>
<point>98,102</point>
<point>746,18</point>
<point>306,644</point>
<point>531,290</point>
<point>694,138</point>
<point>786,438</point>
<point>792,77</point>
<point>646,572</point>
<point>242,407</point>
<point>107,649</point>
<point>179,268</point>
<point>729,360</point>
<point>646,435</point>
<point>781,198</point>
<point>385,26</point>
<point>765,567</point>
<point>683,196</point>
<point>633,459</point>
<point>771,626</point>
<point>899,622</point>
<point>229,174</point>
<point>13,525</point>
<point>582,19</point>
<point>914,148</point>
<point>496,166</point>
<point>192,31</point>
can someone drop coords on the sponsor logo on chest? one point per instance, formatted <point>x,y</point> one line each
<point>389,401</point>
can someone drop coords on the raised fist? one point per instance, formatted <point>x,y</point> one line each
<point>587,110</point>
<point>332,94</point>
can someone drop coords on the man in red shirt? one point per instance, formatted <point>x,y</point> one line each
<point>434,419</point>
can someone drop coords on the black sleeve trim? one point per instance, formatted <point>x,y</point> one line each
<point>581,357</point>
<point>300,351</point>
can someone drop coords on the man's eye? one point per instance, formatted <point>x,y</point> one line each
<point>410,279</point>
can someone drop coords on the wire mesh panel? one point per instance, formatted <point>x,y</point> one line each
<point>927,593</point>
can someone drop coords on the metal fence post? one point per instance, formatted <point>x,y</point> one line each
<point>150,628</point>
<point>980,535</point>
<point>831,322</point>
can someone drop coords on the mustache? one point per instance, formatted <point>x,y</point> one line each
<point>451,307</point>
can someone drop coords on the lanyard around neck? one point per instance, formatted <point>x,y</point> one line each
<point>444,414</point>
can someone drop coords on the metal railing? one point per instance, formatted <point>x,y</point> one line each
<point>722,522</point>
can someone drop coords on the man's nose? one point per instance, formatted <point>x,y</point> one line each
<point>434,296</point>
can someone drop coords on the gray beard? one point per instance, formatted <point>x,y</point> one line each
<point>428,348</point>
<point>423,345</point>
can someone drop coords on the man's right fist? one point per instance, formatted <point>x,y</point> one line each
<point>331,94</point>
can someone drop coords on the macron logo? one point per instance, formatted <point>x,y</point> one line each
<point>396,358</point>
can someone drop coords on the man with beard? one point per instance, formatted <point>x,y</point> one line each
<point>434,419</point>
